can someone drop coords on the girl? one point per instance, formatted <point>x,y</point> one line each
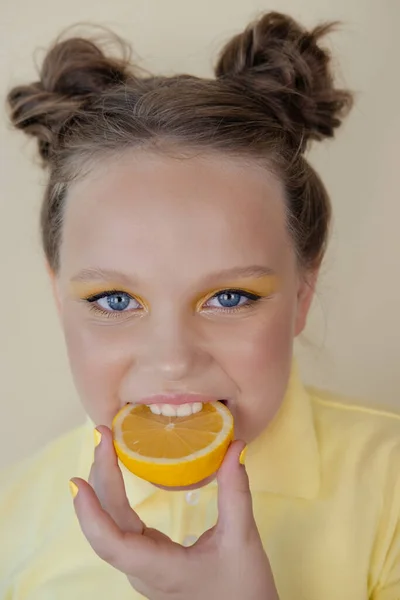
<point>184,230</point>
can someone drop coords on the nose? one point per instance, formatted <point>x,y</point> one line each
<point>173,352</point>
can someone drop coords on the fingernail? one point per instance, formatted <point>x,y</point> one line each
<point>242,456</point>
<point>97,438</point>
<point>73,488</point>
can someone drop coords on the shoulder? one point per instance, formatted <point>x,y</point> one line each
<point>360,435</point>
<point>360,450</point>
<point>52,461</point>
<point>332,410</point>
<point>32,492</point>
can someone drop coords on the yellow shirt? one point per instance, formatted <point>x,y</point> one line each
<point>325,479</point>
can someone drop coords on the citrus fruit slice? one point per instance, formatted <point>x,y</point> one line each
<point>172,451</point>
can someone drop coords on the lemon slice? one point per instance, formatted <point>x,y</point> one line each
<point>172,451</point>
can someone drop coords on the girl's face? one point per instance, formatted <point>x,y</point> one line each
<point>179,276</point>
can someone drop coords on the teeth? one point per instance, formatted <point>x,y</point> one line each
<point>168,410</point>
<point>184,410</point>
<point>181,410</point>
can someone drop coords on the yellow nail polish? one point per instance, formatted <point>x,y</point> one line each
<point>97,437</point>
<point>73,488</point>
<point>242,456</point>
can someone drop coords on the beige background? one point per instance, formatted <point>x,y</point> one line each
<point>353,339</point>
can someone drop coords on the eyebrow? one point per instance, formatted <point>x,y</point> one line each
<point>252,271</point>
<point>96,274</point>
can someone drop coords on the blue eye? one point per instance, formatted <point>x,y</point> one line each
<point>231,299</point>
<point>116,302</point>
<point>113,302</point>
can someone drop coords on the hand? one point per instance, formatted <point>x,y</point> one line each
<point>226,562</point>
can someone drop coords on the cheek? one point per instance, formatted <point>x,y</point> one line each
<point>259,360</point>
<point>97,366</point>
<point>259,347</point>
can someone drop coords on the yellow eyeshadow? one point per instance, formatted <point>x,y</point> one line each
<point>262,286</point>
<point>86,290</point>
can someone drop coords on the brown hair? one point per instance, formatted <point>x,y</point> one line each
<point>273,93</point>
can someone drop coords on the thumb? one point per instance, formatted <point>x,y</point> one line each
<point>235,507</point>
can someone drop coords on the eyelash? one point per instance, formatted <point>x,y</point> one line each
<point>253,298</point>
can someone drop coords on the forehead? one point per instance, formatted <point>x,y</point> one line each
<point>205,212</point>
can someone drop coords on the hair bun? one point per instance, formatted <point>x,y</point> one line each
<point>281,65</point>
<point>73,73</point>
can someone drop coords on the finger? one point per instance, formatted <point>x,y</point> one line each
<point>135,555</point>
<point>125,552</point>
<point>97,525</point>
<point>108,483</point>
<point>235,507</point>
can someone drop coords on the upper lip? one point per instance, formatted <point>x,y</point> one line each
<point>177,399</point>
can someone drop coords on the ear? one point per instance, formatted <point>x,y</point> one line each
<point>54,287</point>
<point>305,297</point>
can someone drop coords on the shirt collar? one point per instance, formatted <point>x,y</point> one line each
<point>283,460</point>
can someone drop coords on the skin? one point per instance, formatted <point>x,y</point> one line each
<point>168,232</point>
<point>167,226</point>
